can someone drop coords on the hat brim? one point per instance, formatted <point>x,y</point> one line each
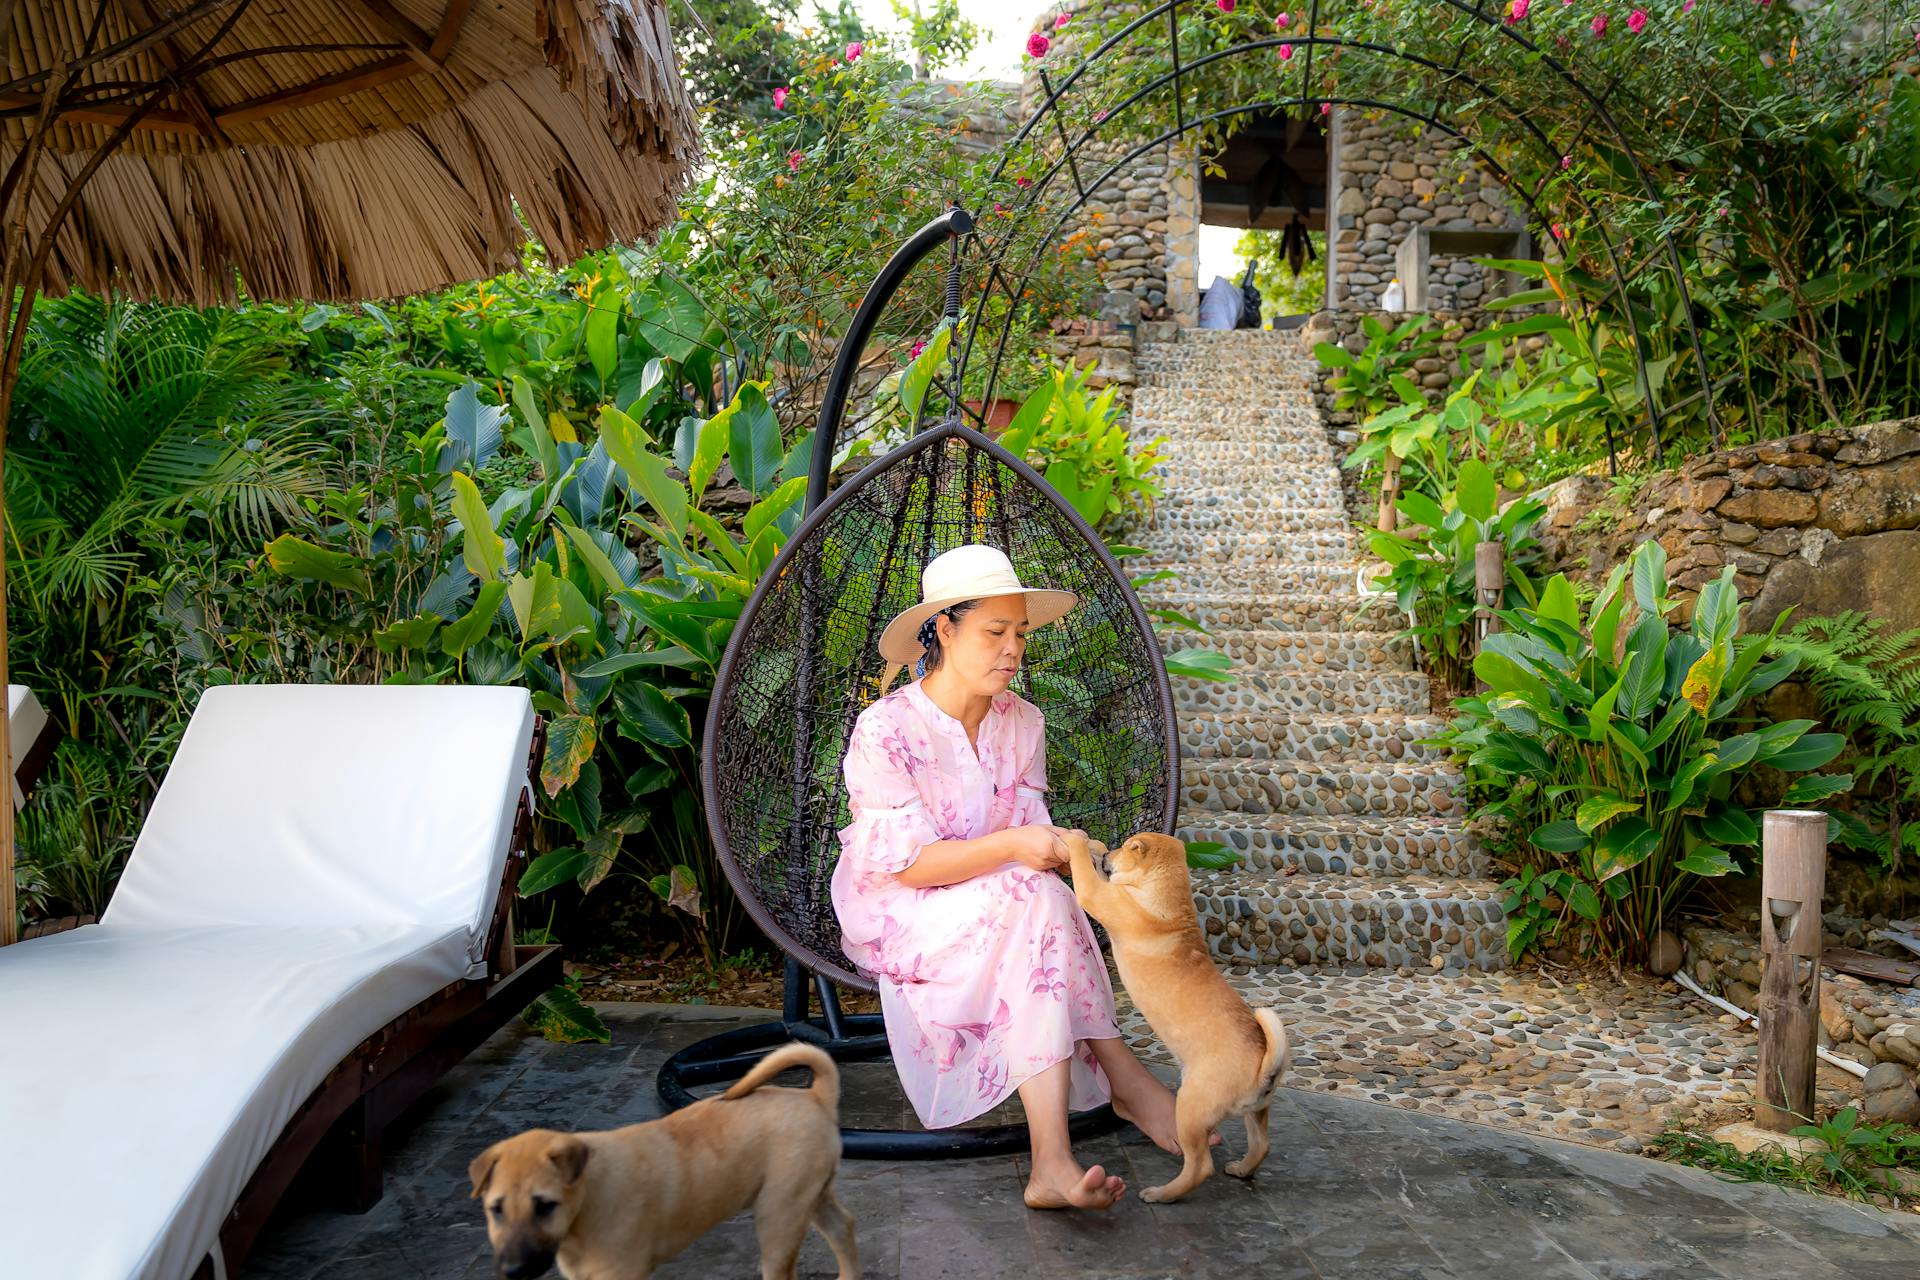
<point>900,641</point>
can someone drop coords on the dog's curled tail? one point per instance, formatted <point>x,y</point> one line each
<point>1279,1056</point>
<point>826,1076</point>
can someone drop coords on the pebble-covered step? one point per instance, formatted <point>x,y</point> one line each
<point>1332,650</point>
<point>1274,918</point>
<point>1229,611</point>
<point>1340,846</point>
<point>1271,514</point>
<point>1194,415</point>
<point>1301,786</point>
<point>1256,576</point>
<point>1324,739</point>
<point>1302,692</point>
<point>1318,546</point>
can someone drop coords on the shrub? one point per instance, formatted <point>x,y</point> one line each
<point>1613,750</point>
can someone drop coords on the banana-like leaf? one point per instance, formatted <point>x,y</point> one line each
<point>648,715</point>
<point>565,1018</point>
<point>298,558</point>
<point>457,637</point>
<point>1623,846</point>
<point>473,429</point>
<point>570,742</point>
<point>482,549</point>
<point>1816,786</point>
<point>753,440</point>
<point>1595,810</point>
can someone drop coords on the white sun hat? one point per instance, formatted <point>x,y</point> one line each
<point>971,572</point>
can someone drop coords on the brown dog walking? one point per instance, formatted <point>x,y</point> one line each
<point>617,1204</point>
<point>1230,1056</point>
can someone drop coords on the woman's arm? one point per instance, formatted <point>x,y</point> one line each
<point>951,861</point>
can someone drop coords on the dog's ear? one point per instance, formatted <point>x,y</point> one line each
<point>481,1170</point>
<point>569,1156</point>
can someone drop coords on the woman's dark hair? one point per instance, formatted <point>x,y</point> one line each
<point>929,635</point>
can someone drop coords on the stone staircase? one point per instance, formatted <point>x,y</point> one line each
<point>1307,763</point>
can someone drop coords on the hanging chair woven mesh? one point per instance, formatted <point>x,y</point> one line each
<point>803,664</point>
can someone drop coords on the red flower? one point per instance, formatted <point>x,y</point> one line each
<point>854,50</point>
<point>1023,182</point>
<point>1226,6</point>
<point>1518,10</point>
<point>918,347</point>
<point>1280,23</point>
<point>1566,162</point>
<point>1599,25</point>
<point>1326,108</point>
<point>780,98</point>
<point>793,160</point>
<point>1037,45</point>
<point>1637,21</point>
<point>1286,52</point>
<point>1062,21</point>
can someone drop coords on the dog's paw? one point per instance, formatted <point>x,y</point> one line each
<point>1241,1168</point>
<point>1159,1195</point>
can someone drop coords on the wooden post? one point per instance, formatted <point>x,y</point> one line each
<point>1489,590</point>
<point>1793,877</point>
<point>1389,493</point>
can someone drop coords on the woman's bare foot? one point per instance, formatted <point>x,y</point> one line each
<point>1062,1185</point>
<point>1152,1115</point>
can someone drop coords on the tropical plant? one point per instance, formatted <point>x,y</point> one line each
<point>1867,679</point>
<point>1377,377</point>
<point>1074,438</point>
<point>74,838</point>
<point>1430,565</point>
<point>1618,771</point>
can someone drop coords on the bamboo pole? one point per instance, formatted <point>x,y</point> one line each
<point>1389,493</point>
<point>1792,879</point>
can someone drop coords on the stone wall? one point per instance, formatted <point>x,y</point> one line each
<point>1390,176</point>
<point>1825,521</point>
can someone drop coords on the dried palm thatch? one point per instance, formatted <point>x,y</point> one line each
<point>335,149</point>
<point>193,150</point>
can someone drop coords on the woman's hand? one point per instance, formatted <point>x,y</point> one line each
<point>1038,846</point>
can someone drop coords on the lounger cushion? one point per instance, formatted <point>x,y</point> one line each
<point>318,861</point>
<point>26,718</point>
<point>331,805</point>
<point>144,1074</point>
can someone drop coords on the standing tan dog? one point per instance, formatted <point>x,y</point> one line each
<point>1230,1056</point>
<point>615,1205</point>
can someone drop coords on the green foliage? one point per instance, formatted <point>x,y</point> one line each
<point>1867,679</point>
<point>1283,293</point>
<point>1379,376</point>
<point>1074,438</point>
<point>1858,1161</point>
<point>73,839</point>
<point>1430,563</point>
<point>1611,746</point>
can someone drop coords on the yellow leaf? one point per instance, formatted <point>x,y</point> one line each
<point>1703,681</point>
<point>562,430</point>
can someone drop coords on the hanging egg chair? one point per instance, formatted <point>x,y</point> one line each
<point>803,663</point>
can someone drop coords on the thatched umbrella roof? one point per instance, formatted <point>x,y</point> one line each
<point>339,149</point>
<point>187,150</point>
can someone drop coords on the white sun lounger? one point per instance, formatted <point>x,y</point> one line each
<point>310,930</point>
<point>30,739</point>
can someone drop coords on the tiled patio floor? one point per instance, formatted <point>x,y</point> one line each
<point>1352,1190</point>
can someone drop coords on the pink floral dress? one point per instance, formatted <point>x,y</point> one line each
<point>989,981</point>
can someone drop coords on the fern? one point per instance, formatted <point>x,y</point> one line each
<point>1867,680</point>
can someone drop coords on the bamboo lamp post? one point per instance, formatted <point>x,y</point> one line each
<point>325,150</point>
<point>1793,876</point>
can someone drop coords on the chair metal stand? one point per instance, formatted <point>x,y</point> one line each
<point>847,1037</point>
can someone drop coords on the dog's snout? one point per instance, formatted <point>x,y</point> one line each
<point>528,1264</point>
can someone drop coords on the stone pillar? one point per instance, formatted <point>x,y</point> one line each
<point>1183,236</point>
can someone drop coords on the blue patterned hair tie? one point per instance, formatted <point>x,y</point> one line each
<point>928,633</point>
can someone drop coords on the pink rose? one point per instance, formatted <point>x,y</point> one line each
<point>793,161</point>
<point>1518,10</point>
<point>1599,25</point>
<point>1226,6</point>
<point>918,347</point>
<point>1326,108</point>
<point>1566,162</point>
<point>1286,52</point>
<point>1280,23</point>
<point>1062,21</point>
<point>1687,7</point>
<point>854,50</point>
<point>780,98</point>
<point>1037,45</point>
<point>1637,21</point>
<point>1023,182</point>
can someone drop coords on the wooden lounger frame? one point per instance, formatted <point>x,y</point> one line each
<point>343,1118</point>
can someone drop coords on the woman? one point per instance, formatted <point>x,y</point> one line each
<point>990,979</point>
